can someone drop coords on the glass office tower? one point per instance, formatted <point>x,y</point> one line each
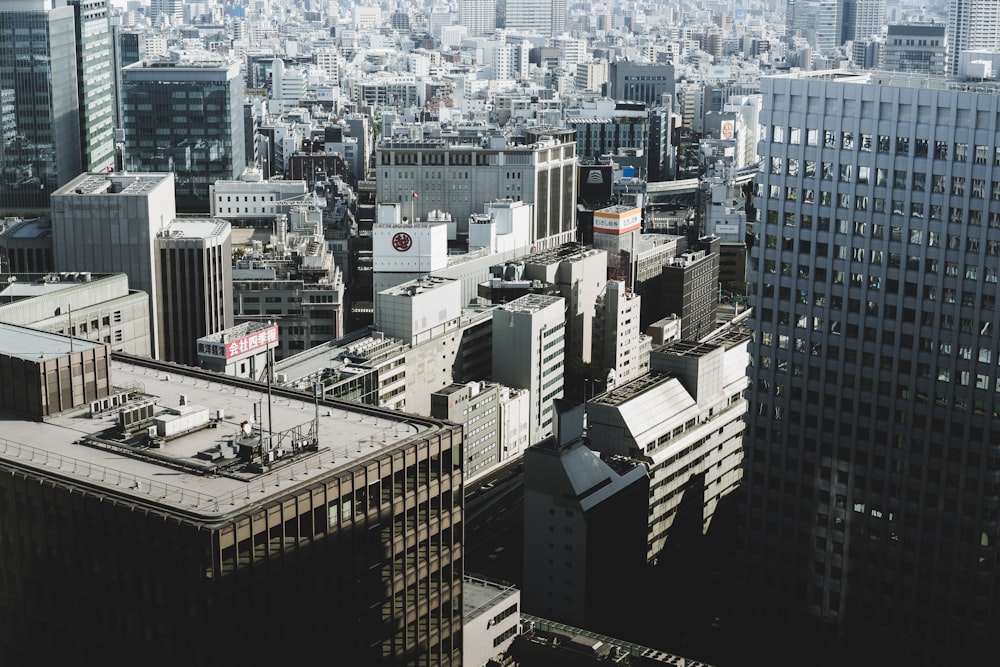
<point>186,117</point>
<point>873,461</point>
<point>95,72</point>
<point>39,104</point>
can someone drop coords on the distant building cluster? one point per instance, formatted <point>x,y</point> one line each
<point>446,327</point>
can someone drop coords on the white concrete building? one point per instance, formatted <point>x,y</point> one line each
<point>528,353</point>
<point>96,307</point>
<point>255,198</point>
<point>418,310</point>
<point>491,618</point>
<point>619,344</point>
<point>504,225</point>
<point>972,24</point>
<point>685,420</point>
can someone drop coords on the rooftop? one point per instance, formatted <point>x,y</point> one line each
<point>194,228</point>
<point>34,228</point>
<point>478,595</point>
<point>206,420</point>
<point>113,183</point>
<point>530,303</point>
<point>898,79</point>
<point>418,286</point>
<point>631,389</point>
<point>618,209</point>
<point>31,344</point>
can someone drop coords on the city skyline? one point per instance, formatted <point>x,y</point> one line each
<point>538,306</point>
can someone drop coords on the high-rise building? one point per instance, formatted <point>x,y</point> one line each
<point>495,419</point>
<point>972,24</point>
<point>479,16</point>
<point>915,47</point>
<point>526,16</point>
<point>41,103</point>
<point>57,97</point>
<point>528,353</point>
<point>619,344</point>
<point>820,22</point>
<point>872,470</point>
<point>167,492</point>
<point>185,115</point>
<point>578,274</point>
<point>107,222</point>
<point>685,419</point>
<point>690,283</point>
<point>96,83</point>
<point>861,19</point>
<point>193,262</point>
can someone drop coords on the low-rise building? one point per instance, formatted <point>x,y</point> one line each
<point>491,618</point>
<point>95,307</point>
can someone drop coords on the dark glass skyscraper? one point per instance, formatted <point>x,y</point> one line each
<point>40,148</point>
<point>95,74</point>
<point>873,459</point>
<point>186,117</point>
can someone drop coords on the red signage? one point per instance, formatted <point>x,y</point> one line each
<point>259,340</point>
<point>402,242</point>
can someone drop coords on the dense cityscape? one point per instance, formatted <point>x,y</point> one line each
<point>500,333</point>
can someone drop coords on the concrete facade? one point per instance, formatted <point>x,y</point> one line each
<point>529,352</point>
<point>107,222</point>
<point>98,308</point>
<point>685,420</point>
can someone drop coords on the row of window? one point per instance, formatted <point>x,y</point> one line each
<point>883,143</point>
<point>914,182</point>
<point>955,214</point>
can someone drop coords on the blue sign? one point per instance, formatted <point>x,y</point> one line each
<point>740,14</point>
<point>628,172</point>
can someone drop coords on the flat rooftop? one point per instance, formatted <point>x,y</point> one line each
<point>80,445</point>
<point>530,303</point>
<point>898,79</point>
<point>478,595</point>
<point>32,344</point>
<point>194,228</point>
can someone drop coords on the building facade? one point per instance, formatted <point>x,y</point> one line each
<point>495,419</point>
<point>872,472</point>
<point>972,24</point>
<point>194,271</point>
<point>41,105</point>
<point>529,341</point>
<point>684,419</point>
<point>185,116</point>
<point>96,83</point>
<point>917,48</point>
<point>107,222</point>
<point>459,179</point>
<point>584,529</point>
<point>96,307</point>
<point>355,516</point>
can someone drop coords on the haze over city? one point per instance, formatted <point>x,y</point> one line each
<point>500,333</point>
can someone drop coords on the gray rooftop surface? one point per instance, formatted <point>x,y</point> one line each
<point>346,435</point>
<point>39,345</point>
<point>480,594</point>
